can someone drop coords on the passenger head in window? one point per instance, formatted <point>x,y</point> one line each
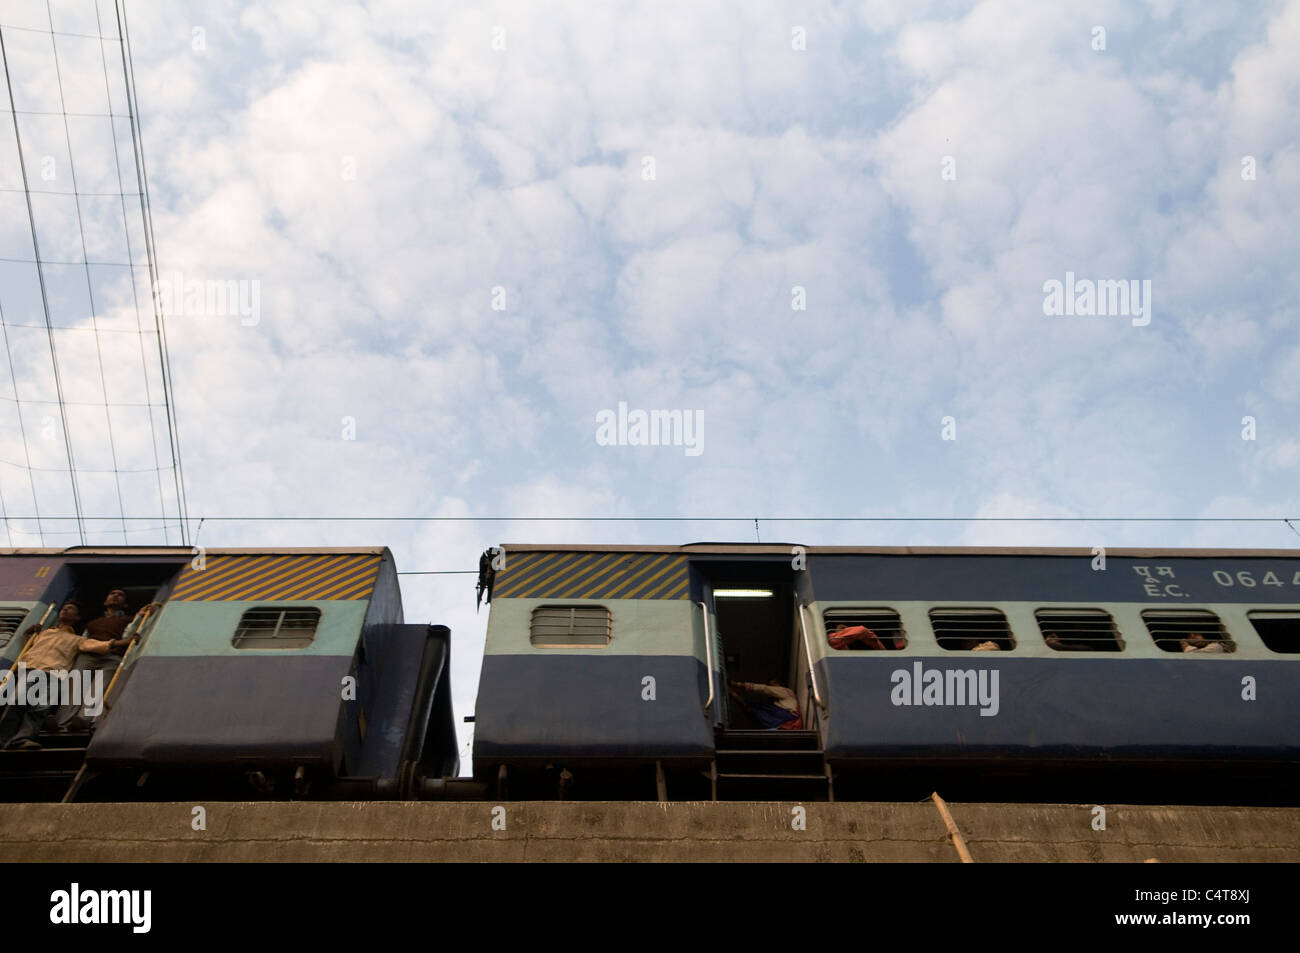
<point>1054,641</point>
<point>1195,643</point>
<point>976,645</point>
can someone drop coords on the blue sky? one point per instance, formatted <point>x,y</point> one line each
<point>380,169</point>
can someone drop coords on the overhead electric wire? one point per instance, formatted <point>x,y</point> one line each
<point>11,463</point>
<point>135,294</point>
<point>714,519</point>
<point>22,428</point>
<point>32,29</point>
<point>441,572</point>
<point>160,322</point>
<point>38,260</point>
<point>92,195</point>
<point>73,403</point>
<point>4,515</point>
<point>45,301</point>
<point>90,285</point>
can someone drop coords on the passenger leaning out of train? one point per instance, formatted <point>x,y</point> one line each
<point>772,705</point>
<point>112,626</point>
<point>1194,643</point>
<point>52,650</point>
<point>844,636</point>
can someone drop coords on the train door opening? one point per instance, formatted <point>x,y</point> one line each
<point>141,582</point>
<point>755,609</point>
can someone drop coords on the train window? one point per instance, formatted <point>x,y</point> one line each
<point>273,627</point>
<point>1279,631</point>
<point>971,630</point>
<point>557,627</point>
<point>10,620</point>
<point>1079,630</point>
<point>864,629</point>
<point>1188,630</point>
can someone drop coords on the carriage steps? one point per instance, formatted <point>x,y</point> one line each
<point>770,766</point>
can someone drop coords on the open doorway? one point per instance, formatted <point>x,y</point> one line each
<point>757,623</point>
<point>141,583</point>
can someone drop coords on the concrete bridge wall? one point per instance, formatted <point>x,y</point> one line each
<point>639,831</point>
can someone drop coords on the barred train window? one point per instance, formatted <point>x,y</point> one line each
<point>556,627</point>
<point>884,629</point>
<point>10,620</point>
<point>1279,631</point>
<point>271,627</point>
<point>971,630</point>
<point>1188,630</point>
<point>1079,630</point>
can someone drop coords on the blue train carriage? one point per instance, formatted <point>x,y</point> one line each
<point>1142,674</point>
<point>992,672</point>
<point>595,674</point>
<point>282,672</point>
<point>612,671</point>
<point>34,585</point>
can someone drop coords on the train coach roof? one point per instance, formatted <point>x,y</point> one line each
<point>783,549</point>
<point>187,551</point>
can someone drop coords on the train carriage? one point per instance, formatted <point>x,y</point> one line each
<point>262,672</point>
<point>1019,672</point>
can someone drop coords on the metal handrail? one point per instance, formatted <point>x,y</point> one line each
<point>807,649</point>
<point>708,653</point>
<point>138,638</point>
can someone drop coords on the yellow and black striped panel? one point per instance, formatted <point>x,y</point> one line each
<point>587,575</point>
<point>278,578</point>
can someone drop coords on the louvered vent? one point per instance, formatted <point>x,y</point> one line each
<point>277,628</point>
<point>556,627</point>
<point>10,620</point>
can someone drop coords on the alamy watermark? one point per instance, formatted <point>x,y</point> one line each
<point>651,428</point>
<point>937,686</point>
<point>1126,297</point>
<point>40,688</point>
<point>210,298</point>
<point>77,905</point>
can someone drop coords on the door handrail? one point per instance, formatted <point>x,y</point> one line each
<point>708,653</point>
<point>807,649</point>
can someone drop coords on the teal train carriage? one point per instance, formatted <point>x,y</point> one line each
<point>263,672</point>
<point>638,671</point>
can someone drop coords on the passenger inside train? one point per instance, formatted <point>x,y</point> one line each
<point>772,705</point>
<point>859,637</point>
<point>1195,643</point>
<point>1054,641</point>
<point>115,624</point>
<point>51,650</point>
<point>759,633</point>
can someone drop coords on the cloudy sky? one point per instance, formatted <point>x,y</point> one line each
<point>822,231</point>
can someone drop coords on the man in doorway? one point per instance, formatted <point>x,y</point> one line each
<point>111,626</point>
<point>52,650</point>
